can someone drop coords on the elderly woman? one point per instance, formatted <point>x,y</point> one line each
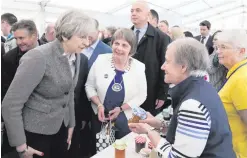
<point>199,125</point>
<point>217,72</point>
<point>116,83</point>
<point>232,53</point>
<point>38,108</point>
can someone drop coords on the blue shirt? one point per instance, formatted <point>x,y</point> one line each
<point>142,32</point>
<point>89,51</point>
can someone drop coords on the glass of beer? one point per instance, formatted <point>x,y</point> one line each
<point>120,147</point>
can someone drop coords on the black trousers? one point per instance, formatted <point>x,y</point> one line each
<point>81,143</point>
<point>53,146</point>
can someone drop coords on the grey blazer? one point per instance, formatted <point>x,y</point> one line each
<point>41,96</point>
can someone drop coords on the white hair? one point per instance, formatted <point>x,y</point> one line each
<point>236,38</point>
<point>74,22</point>
<point>144,3</point>
<point>191,53</point>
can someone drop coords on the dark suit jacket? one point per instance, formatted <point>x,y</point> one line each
<point>101,48</point>
<point>209,43</point>
<point>151,51</point>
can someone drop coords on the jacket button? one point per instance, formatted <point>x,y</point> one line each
<point>64,106</point>
<point>66,93</point>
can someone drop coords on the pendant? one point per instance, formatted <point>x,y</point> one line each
<point>116,87</point>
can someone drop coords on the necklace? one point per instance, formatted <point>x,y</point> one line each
<point>117,87</point>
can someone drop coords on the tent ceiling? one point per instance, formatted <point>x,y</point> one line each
<point>191,11</point>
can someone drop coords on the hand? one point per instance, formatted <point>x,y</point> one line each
<point>70,134</point>
<point>101,114</point>
<point>29,153</point>
<point>114,113</point>
<point>140,128</point>
<point>152,121</point>
<point>159,103</point>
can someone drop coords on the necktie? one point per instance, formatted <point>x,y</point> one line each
<point>137,36</point>
<point>203,38</point>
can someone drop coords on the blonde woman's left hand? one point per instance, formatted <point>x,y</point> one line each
<point>70,134</point>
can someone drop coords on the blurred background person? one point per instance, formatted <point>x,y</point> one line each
<point>188,34</point>
<point>108,33</point>
<point>217,72</point>
<point>49,34</point>
<point>176,33</point>
<point>7,20</point>
<point>38,108</point>
<point>164,26</point>
<point>232,53</point>
<point>153,18</point>
<point>205,38</point>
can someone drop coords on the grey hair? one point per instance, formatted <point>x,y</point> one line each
<point>111,29</point>
<point>236,38</point>
<point>191,53</point>
<point>74,22</point>
<point>128,35</point>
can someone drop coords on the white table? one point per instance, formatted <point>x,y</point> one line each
<point>109,152</point>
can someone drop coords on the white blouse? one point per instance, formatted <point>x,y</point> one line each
<point>101,75</point>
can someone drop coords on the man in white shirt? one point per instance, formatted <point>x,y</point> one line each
<point>205,38</point>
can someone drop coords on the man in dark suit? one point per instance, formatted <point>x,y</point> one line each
<point>82,139</point>
<point>205,38</point>
<point>153,18</point>
<point>152,44</point>
<point>25,32</point>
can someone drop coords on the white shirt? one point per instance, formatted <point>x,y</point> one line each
<point>205,40</point>
<point>71,60</point>
<point>89,51</point>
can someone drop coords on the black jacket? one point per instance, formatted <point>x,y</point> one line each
<point>43,39</point>
<point>83,110</point>
<point>209,43</point>
<point>10,63</point>
<point>151,51</point>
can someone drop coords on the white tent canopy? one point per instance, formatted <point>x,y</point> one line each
<point>223,14</point>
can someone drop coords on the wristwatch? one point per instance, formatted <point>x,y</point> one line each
<point>121,109</point>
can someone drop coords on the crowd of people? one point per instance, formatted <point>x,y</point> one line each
<point>58,89</point>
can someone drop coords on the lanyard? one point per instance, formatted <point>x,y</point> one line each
<point>231,75</point>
